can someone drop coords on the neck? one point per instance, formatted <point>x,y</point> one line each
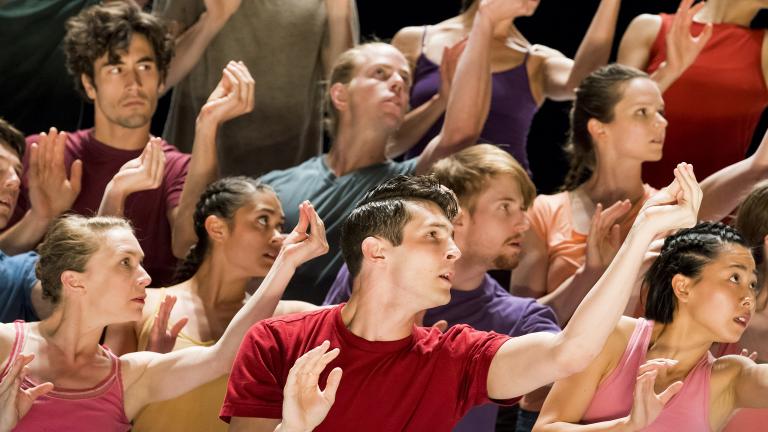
<point>120,137</point>
<point>729,12</point>
<point>356,146</point>
<point>376,314</point>
<point>679,340</point>
<point>468,274</point>
<point>69,334</point>
<point>502,31</point>
<point>614,181</point>
<point>218,285</point>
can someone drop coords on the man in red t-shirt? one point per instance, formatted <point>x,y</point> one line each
<point>398,245</point>
<point>125,171</point>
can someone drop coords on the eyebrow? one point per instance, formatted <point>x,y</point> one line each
<point>120,61</point>
<point>131,252</point>
<point>442,225</point>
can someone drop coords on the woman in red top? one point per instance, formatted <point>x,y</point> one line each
<point>714,98</point>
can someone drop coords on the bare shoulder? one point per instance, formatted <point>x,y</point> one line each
<point>543,53</point>
<point>7,336</point>
<point>616,344</point>
<point>728,368</point>
<point>644,28</point>
<point>408,41</point>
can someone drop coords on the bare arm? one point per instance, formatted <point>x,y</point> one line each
<point>343,30</point>
<point>152,377</point>
<point>232,97</point>
<point>547,358</point>
<point>561,75</point>
<point>751,387</point>
<point>725,189</point>
<point>469,101</point>
<point>191,44</point>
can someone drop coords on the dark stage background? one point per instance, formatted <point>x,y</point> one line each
<point>559,24</point>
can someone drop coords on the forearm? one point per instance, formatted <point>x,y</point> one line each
<point>202,172</point>
<point>25,234</point>
<point>191,45</point>
<point>665,76</point>
<point>113,201</point>
<point>259,306</point>
<point>595,318</point>
<point>416,124</point>
<point>595,49</point>
<point>342,31</point>
<point>618,425</point>
<point>566,298</point>
<point>725,189</point>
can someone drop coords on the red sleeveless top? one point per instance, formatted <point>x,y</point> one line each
<point>714,107</point>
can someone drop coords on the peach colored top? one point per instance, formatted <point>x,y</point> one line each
<point>552,220</point>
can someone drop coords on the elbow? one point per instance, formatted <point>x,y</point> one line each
<point>458,140</point>
<point>573,356</point>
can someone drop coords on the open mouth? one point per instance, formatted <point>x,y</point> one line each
<point>742,320</point>
<point>447,276</point>
<point>270,255</point>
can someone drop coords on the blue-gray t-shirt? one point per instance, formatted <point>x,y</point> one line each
<point>333,198</point>
<point>17,277</point>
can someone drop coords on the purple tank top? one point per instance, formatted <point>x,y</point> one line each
<point>510,116</point>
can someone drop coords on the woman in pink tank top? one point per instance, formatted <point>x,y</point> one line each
<point>90,269</point>
<point>658,374</point>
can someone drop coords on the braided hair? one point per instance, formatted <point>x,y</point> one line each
<point>685,252</point>
<point>596,98</point>
<point>221,198</point>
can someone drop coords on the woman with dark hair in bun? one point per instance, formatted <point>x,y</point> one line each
<point>239,225</point>
<point>656,373</point>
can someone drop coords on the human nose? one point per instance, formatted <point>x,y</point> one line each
<point>661,121</point>
<point>278,237</point>
<point>453,253</point>
<point>144,278</point>
<point>134,78</point>
<point>12,179</point>
<point>522,224</point>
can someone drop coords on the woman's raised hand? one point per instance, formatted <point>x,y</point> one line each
<point>647,404</point>
<point>15,401</point>
<point>677,205</point>
<point>301,245</point>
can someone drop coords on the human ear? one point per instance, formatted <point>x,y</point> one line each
<point>216,228</point>
<point>596,128</point>
<point>90,88</point>
<point>681,287</point>
<point>373,250</point>
<point>339,96</point>
<point>72,282</point>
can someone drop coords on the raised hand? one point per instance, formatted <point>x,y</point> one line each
<point>232,97</point>
<point>647,404</point>
<point>677,205</point>
<point>143,173</point>
<point>604,238</point>
<point>15,401</point>
<point>502,10</point>
<point>448,66</point>
<point>161,338</point>
<point>51,192</point>
<point>300,246</point>
<point>682,47</point>
<point>304,404</point>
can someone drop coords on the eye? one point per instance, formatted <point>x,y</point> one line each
<point>145,66</point>
<point>263,220</point>
<point>115,70</point>
<point>642,111</point>
<point>125,262</point>
<point>734,278</point>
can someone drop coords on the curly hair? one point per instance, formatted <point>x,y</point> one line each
<point>685,252</point>
<point>12,137</point>
<point>221,198</point>
<point>107,29</point>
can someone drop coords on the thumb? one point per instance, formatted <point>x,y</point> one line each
<point>332,384</point>
<point>672,390</point>
<point>441,325</point>
<point>76,175</point>
<point>39,390</point>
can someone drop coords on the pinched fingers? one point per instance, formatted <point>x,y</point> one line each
<point>656,365</point>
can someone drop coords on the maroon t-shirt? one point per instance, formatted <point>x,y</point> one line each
<point>425,382</point>
<point>147,210</point>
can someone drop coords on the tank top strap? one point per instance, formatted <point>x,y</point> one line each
<point>116,368</point>
<point>18,346</point>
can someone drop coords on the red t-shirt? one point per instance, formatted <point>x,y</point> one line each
<point>147,210</point>
<point>426,381</point>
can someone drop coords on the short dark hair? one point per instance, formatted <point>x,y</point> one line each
<point>382,212</point>
<point>12,137</point>
<point>685,252</point>
<point>107,29</point>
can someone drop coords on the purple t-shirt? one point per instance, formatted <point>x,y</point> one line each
<point>147,210</point>
<point>489,307</point>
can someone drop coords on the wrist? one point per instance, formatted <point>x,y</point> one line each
<point>626,424</point>
<point>38,218</point>
<point>213,22</point>
<point>115,191</point>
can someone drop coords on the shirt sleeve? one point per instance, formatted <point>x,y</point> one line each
<point>255,387</point>
<point>477,350</point>
<point>17,278</point>
<point>175,176</point>
<point>536,317</point>
<point>539,216</point>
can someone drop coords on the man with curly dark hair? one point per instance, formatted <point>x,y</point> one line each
<point>119,58</point>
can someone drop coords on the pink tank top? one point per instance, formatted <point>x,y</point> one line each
<point>613,398</point>
<point>96,409</point>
